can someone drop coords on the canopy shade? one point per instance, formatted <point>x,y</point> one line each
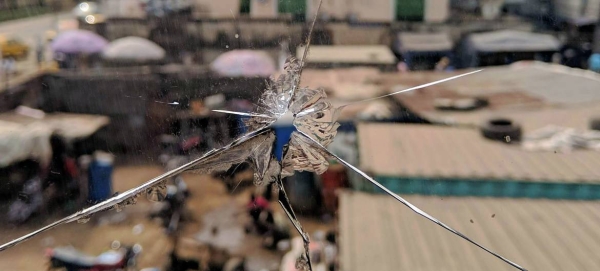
<point>133,48</point>
<point>247,63</point>
<point>78,41</point>
<point>513,41</point>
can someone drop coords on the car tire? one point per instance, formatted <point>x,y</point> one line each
<point>501,129</point>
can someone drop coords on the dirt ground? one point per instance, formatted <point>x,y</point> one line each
<point>210,203</point>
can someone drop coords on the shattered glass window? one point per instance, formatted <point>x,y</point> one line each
<point>299,135</point>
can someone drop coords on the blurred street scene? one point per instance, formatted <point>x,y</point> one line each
<point>98,97</point>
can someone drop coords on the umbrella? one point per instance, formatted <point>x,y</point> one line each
<point>246,63</point>
<point>133,48</point>
<point>78,41</point>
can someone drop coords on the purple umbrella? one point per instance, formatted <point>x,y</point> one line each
<point>246,63</point>
<point>78,41</point>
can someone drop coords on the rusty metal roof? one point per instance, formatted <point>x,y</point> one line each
<point>427,151</point>
<point>378,233</point>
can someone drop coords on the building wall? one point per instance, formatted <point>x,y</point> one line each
<point>119,28</point>
<point>292,6</point>
<point>345,34</point>
<point>333,9</point>
<point>264,8</point>
<point>14,4</point>
<point>27,3</point>
<point>381,10</point>
<point>436,11</point>
<point>122,9</point>
<point>216,9</point>
<point>373,10</point>
<point>250,33</point>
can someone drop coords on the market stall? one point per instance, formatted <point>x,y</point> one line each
<point>133,51</point>
<point>73,48</point>
<point>39,158</point>
<point>506,47</point>
<point>421,51</point>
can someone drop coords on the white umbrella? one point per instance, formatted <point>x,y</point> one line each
<point>133,48</point>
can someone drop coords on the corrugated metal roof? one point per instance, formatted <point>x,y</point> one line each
<point>533,93</point>
<point>513,41</point>
<point>424,42</point>
<point>530,120</point>
<point>378,233</point>
<point>554,84</point>
<point>369,54</point>
<point>446,152</point>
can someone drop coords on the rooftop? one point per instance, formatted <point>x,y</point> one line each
<point>533,93</point>
<point>378,233</point>
<point>513,41</point>
<point>427,151</point>
<point>424,42</point>
<point>353,54</point>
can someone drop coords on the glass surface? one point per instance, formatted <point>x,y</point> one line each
<point>299,135</point>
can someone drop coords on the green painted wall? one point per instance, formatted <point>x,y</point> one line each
<point>406,10</point>
<point>410,10</point>
<point>292,6</point>
<point>487,188</point>
<point>245,6</point>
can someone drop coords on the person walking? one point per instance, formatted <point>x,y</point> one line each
<point>39,53</point>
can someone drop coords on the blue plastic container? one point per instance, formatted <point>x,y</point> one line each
<point>282,137</point>
<point>100,180</point>
<point>283,128</point>
<point>283,131</point>
<point>594,62</point>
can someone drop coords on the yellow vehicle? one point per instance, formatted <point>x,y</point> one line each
<point>13,48</point>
